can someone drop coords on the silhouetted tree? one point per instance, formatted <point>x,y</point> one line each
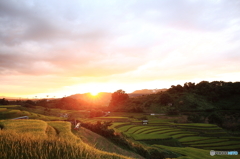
<point>96,113</point>
<point>42,102</point>
<point>176,89</point>
<point>30,102</point>
<point>189,86</point>
<point>118,97</point>
<point>4,101</point>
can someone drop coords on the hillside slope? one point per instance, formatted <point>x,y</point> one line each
<point>45,140</point>
<point>102,143</point>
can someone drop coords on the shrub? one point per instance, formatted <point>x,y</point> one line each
<point>195,118</point>
<point>96,113</point>
<point>215,119</point>
<point>28,105</point>
<point>153,153</point>
<point>100,128</point>
<point>175,121</point>
<point>143,118</point>
<point>136,110</point>
<point>172,112</point>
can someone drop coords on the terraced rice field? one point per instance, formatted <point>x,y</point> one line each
<point>226,143</point>
<point>142,129</point>
<point>126,128</point>
<point>209,141</point>
<point>3,109</point>
<point>150,137</point>
<point>7,113</point>
<point>224,148</point>
<point>113,118</point>
<point>179,136</point>
<point>194,153</point>
<point>194,138</point>
<point>199,137</point>
<point>118,124</point>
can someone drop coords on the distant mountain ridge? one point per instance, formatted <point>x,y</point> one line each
<point>104,98</point>
<point>148,91</point>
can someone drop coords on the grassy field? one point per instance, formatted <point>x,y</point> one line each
<point>31,139</point>
<point>39,112</point>
<point>14,111</point>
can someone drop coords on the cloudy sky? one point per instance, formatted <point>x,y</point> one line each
<point>57,47</point>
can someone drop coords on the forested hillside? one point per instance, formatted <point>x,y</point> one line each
<point>214,102</point>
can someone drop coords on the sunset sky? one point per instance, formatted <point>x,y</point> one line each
<point>59,47</point>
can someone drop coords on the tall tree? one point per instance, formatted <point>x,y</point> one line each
<point>118,97</point>
<point>4,101</point>
<point>189,86</point>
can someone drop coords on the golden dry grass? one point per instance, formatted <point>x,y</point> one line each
<point>27,139</point>
<point>3,109</point>
<point>36,127</point>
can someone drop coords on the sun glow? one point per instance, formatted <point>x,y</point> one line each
<point>94,93</point>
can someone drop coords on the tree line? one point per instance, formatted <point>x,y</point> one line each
<point>214,102</point>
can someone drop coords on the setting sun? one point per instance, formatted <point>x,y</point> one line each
<point>94,93</point>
